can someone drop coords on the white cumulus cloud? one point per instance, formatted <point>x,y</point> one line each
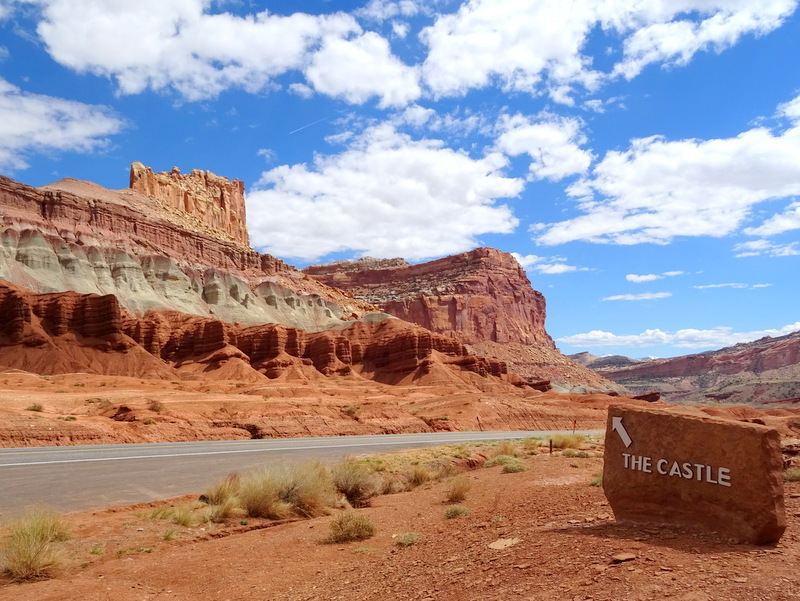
<point>552,142</point>
<point>386,195</point>
<point>38,123</point>
<point>659,189</point>
<point>718,337</point>
<point>651,277</point>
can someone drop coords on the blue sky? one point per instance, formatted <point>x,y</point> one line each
<point>642,159</point>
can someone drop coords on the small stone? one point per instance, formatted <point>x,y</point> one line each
<point>665,569</point>
<point>739,579</point>
<point>504,543</point>
<point>623,557</point>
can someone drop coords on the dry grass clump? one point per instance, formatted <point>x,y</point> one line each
<point>597,480</point>
<point>281,491</point>
<point>500,460</point>
<point>356,481</point>
<point>31,549</point>
<point>350,526</point>
<point>514,467</point>
<point>406,539</point>
<point>457,489</point>
<point>35,407</point>
<point>456,511</point>
<point>223,491</point>
<point>567,441</point>
<point>417,475</point>
<point>792,474</point>
<point>504,447</point>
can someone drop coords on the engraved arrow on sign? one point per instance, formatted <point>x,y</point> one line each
<point>616,424</point>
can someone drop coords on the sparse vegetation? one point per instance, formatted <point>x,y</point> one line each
<point>500,460</point>
<point>277,492</point>
<point>96,550</point>
<point>356,481</point>
<point>597,480</point>
<point>567,441</point>
<point>456,511</point>
<point>504,447</point>
<point>514,467</point>
<point>406,539</point>
<point>149,421</point>
<point>350,410</point>
<point>418,475</point>
<point>457,489</point>
<point>792,474</point>
<point>170,534</point>
<point>156,406</point>
<point>70,418</point>
<point>350,526</point>
<point>222,491</point>
<point>31,550</point>
<point>35,407</point>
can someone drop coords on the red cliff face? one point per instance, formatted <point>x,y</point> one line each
<point>477,296</point>
<point>70,332</point>
<point>79,236</point>
<point>215,201</point>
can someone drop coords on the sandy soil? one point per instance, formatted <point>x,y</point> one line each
<point>560,535</point>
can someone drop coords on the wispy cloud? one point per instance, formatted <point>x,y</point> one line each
<point>651,277</point>
<point>718,337</point>
<point>638,297</point>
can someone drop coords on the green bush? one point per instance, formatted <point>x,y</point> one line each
<point>514,467</point>
<point>792,474</point>
<point>406,539</point>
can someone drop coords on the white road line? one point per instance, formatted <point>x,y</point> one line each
<point>262,450</point>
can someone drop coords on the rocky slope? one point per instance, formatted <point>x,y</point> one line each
<point>183,247</point>
<point>764,372</point>
<point>482,298</point>
<point>68,332</point>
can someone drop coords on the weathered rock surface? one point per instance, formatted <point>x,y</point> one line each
<point>480,295</point>
<point>70,332</point>
<point>78,236</point>
<point>482,298</point>
<point>217,202</point>
<point>665,466</point>
<point>761,373</point>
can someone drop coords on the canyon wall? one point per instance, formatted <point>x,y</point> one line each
<point>78,236</point>
<point>217,202</point>
<point>68,332</point>
<point>476,296</point>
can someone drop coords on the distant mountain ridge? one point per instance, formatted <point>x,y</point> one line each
<point>762,372</point>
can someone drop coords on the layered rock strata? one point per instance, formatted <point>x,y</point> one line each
<point>78,236</point>
<point>480,295</point>
<point>216,201</point>
<point>762,372</point>
<point>70,332</point>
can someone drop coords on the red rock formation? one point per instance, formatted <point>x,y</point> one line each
<point>756,372</point>
<point>481,295</point>
<point>74,235</point>
<point>215,201</point>
<point>70,332</point>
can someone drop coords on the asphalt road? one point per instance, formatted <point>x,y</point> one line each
<point>92,477</point>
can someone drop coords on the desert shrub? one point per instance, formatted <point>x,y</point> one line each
<point>350,410</point>
<point>566,441</point>
<point>504,447</point>
<point>456,511</point>
<point>406,539</point>
<point>35,407</point>
<point>513,467</point>
<point>276,492</point>
<point>149,421</point>
<point>356,481</point>
<point>393,483</point>
<point>223,491</point>
<point>156,406</point>
<point>169,535</point>
<point>184,516</point>
<point>96,550</point>
<point>228,508</point>
<point>31,549</point>
<point>531,445</point>
<point>792,474</point>
<point>70,418</point>
<point>457,489</point>
<point>350,526</point>
<point>568,453</point>
<point>500,460</point>
<point>597,480</point>
<point>418,475</point>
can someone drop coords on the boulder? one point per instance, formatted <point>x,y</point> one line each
<point>664,466</point>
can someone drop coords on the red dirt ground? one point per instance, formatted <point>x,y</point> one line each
<point>564,539</point>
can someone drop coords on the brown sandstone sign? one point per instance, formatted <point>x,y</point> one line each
<point>722,475</point>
